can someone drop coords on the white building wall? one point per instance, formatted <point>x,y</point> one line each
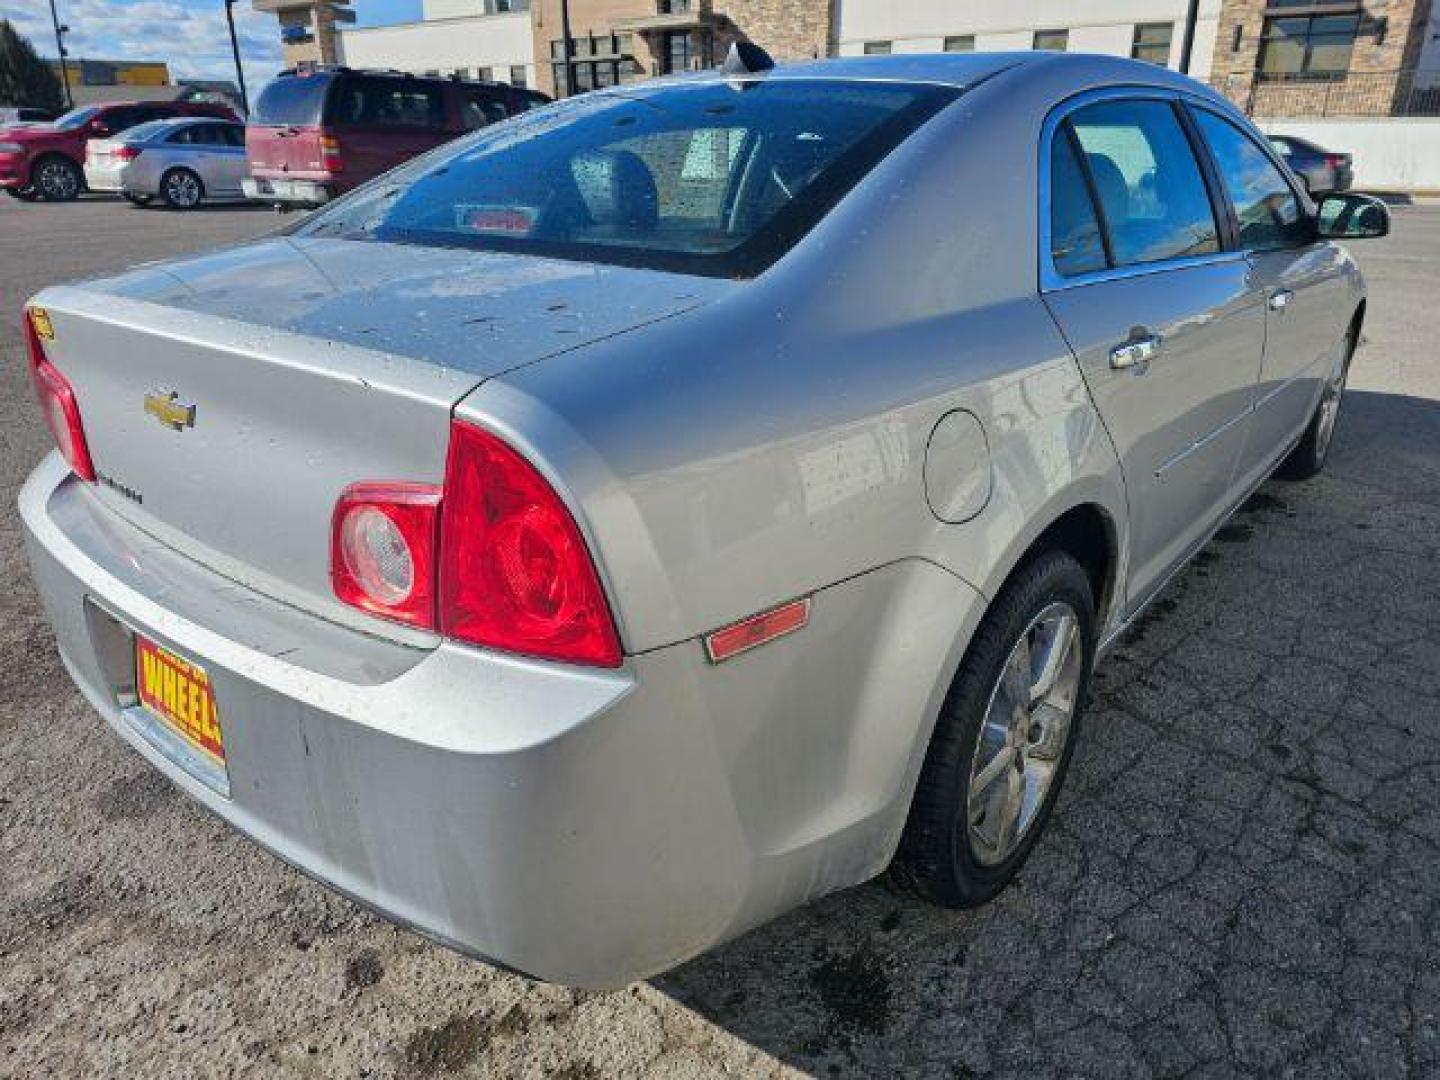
<point>1104,26</point>
<point>445,45</point>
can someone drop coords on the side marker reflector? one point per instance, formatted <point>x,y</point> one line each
<point>757,630</point>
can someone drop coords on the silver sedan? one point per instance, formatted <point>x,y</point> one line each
<point>611,530</point>
<point>182,162</point>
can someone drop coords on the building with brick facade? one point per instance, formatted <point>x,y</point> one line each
<point>1274,57</point>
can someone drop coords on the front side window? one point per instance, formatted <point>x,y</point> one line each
<point>1307,46</point>
<point>1268,212</point>
<point>1152,197</point>
<point>960,43</point>
<point>877,48</point>
<point>1051,40</point>
<point>1152,43</point>
<point>694,177</point>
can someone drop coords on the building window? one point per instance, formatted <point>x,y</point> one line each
<point>676,55</point>
<point>485,74</point>
<point>674,7</point>
<point>503,7</point>
<point>960,43</point>
<point>1051,40</point>
<point>877,48</point>
<point>1152,43</point>
<point>517,74</point>
<point>1307,46</point>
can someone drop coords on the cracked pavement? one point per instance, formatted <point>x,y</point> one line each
<point>1241,878</point>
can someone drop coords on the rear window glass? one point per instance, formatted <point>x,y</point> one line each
<point>708,178</point>
<point>293,99</point>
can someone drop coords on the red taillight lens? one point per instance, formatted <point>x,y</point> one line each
<point>382,550</point>
<point>330,159</point>
<point>125,153</point>
<point>515,573</point>
<point>57,404</point>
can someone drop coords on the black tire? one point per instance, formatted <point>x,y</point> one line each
<point>1313,450</point>
<point>57,179</point>
<point>181,189</point>
<point>937,859</point>
<point>24,194</point>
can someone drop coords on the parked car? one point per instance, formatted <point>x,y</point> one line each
<point>1322,170</point>
<point>183,162</point>
<point>24,114</point>
<point>317,134</point>
<point>48,161</point>
<point>659,510</point>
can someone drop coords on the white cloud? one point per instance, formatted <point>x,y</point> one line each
<point>189,35</point>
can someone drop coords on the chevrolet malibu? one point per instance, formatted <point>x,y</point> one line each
<point>620,526</point>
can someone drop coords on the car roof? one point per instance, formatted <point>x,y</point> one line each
<point>962,70</point>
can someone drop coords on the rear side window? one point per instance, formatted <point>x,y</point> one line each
<point>1268,212</point>
<point>295,100</point>
<point>1150,189</point>
<point>386,103</point>
<point>146,131</point>
<point>481,106</point>
<point>1075,242</point>
<point>697,178</point>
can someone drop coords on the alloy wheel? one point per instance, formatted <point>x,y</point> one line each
<point>1026,729</point>
<point>1330,401</point>
<point>182,189</point>
<point>57,181</point>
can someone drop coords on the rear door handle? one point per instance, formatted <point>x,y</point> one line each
<point>1280,299</point>
<point>1135,354</point>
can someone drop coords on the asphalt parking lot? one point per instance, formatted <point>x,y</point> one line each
<point>1242,876</point>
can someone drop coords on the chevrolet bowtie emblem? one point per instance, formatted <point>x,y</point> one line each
<point>166,406</point>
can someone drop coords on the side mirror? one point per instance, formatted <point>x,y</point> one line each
<point>1352,217</point>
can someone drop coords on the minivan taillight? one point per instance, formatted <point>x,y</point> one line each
<point>57,402</point>
<point>494,558</point>
<point>330,159</point>
<point>125,153</point>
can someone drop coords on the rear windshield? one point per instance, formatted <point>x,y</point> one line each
<point>292,100</point>
<point>75,117</point>
<point>711,178</point>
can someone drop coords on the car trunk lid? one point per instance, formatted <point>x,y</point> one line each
<point>228,400</point>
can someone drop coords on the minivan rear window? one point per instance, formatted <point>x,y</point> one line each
<point>297,100</point>
<point>715,178</point>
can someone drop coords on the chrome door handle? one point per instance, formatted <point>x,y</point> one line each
<point>1135,354</point>
<point>1280,299</point>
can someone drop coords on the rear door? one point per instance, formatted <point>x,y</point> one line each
<point>1164,321</point>
<point>1300,277</point>
<point>283,134</point>
<point>381,122</point>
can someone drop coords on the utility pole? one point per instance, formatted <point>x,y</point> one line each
<point>60,32</point>
<point>1187,44</point>
<point>569,47</point>
<point>235,49</point>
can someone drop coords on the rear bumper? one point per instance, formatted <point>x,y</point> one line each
<point>14,170</point>
<point>581,826</point>
<point>298,192</point>
<point>564,823</point>
<point>107,178</point>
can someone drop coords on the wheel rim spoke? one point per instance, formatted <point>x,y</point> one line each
<point>1025,733</point>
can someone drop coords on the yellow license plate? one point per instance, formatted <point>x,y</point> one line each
<point>178,692</point>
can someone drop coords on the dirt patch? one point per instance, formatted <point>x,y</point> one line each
<point>364,970</point>
<point>448,1046</point>
<point>855,990</point>
<point>137,796</point>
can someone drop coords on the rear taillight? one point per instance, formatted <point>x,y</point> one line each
<point>515,573</point>
<point>382,550</point>
<point>125,153</point>
<point>57,399</point>
<point>330,159</point>
<point>493,559</point>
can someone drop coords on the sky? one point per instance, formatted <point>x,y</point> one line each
<point>189,35</point>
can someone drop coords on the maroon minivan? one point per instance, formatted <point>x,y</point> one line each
<point>317,134</point>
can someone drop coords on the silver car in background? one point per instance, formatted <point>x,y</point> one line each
<point>637,518</point>
<point>182,161</point>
